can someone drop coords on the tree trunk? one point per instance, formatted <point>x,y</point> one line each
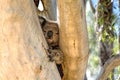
<point>105,30</point>
<point>22,44</point>
<point>73,38</point>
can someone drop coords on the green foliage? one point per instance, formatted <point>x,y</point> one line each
<point>101,21</point>
<point>107,33</point>
<point>110,75</point>
<point>114,20</point>
<point>116,47</point>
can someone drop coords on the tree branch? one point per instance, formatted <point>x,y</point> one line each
<point>92,7</point>
<point>109,65</point>
<point>50,9</point>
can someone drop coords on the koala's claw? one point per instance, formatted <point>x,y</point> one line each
<point>55,55</point>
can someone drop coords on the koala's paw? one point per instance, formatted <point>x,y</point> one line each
<point>55,55</point>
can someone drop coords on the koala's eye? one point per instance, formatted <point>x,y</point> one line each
<point>49,34</point>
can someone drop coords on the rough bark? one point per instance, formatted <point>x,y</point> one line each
<point>73,38</point>
<point>22,44</point>
<point>108,67</point>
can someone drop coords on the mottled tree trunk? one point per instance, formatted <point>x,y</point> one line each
<point>22,44</point>
<point>73,38</point>
<point>105,30</point>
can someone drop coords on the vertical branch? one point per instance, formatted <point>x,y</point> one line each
<point>50,9</point>
<point>73,38</point>
<point>92,7</point>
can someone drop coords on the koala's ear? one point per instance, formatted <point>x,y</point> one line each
<point>42,21</point>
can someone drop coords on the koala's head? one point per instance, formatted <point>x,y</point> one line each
<point>50,30</point>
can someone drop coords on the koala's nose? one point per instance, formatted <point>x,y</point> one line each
<point>49,34</point>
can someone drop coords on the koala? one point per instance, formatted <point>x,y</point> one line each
<point>51,32</point>
<point>57,56</point>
